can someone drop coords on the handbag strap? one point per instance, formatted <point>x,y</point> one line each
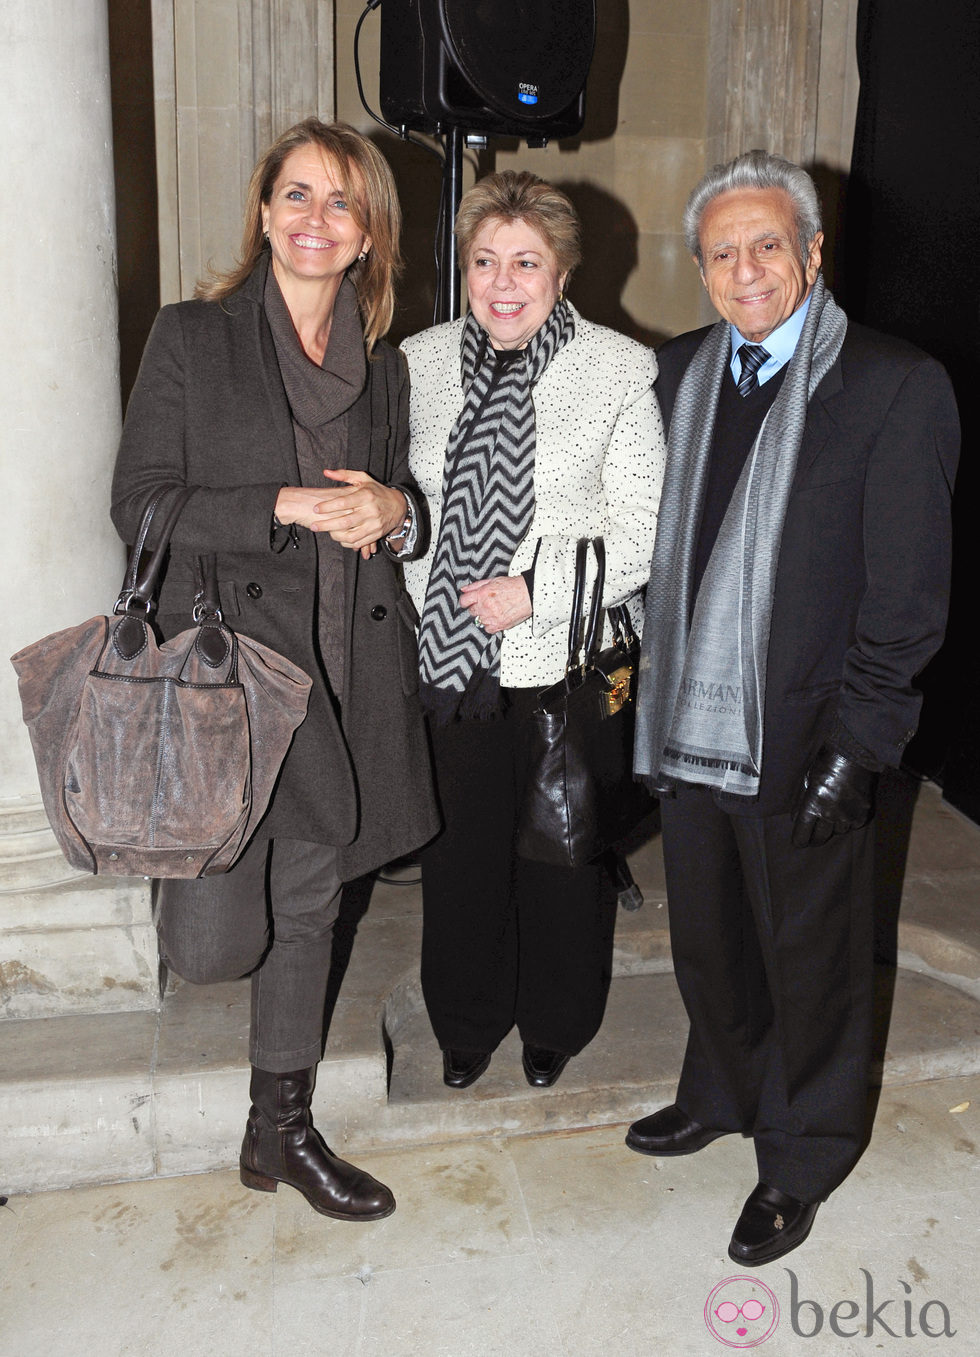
<point>578,595</point>
<point>139,586</point>
<point>592,636</point>
<point>207,600</point>
<point>214,638</point>
<point>624,633</point>
<point>137,598</point>
<point>593,629</point>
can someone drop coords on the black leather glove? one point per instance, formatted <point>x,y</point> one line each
<point>838,794</point>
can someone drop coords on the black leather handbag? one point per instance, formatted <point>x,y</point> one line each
<point>157,760</point>
<point>580,797</point>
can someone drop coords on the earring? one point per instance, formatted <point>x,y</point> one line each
<point>362,256</point>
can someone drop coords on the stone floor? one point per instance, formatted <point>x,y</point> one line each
<point>524,1225</point>
<point>563,1243</point>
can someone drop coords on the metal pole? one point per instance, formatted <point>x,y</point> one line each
<point>448,304</point>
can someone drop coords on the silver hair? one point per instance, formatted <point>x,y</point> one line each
<point>755,169</point>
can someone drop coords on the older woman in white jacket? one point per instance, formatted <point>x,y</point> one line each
<point>530,428</point>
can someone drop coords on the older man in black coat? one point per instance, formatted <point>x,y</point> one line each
<point>799,583</point>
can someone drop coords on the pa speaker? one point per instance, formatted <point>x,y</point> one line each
<point>513,68</point>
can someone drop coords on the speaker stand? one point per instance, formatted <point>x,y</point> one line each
<point>448,298</point>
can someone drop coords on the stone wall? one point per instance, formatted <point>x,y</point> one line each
<point>675,86</point>
<point>228,76</point>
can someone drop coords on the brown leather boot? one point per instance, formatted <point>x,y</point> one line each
<point>282,1145</point>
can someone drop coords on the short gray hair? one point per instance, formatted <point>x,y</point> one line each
<point>755,169</point>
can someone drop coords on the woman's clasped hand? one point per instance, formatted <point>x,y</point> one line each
<point>357,512</point>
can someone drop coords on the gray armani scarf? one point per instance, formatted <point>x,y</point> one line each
<point>487,506</point>
<point>702,690</point>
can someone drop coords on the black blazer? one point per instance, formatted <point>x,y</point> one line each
<point>862,577</point>
<point>209,409</point>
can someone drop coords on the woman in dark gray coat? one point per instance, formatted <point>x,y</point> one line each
<point>274,395</point>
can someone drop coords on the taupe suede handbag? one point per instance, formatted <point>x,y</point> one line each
<point>157,760</point>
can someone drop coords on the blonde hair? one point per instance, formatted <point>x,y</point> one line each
<point>368,186</point>
<point>512,195</point>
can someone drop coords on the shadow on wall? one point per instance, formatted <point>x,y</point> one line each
<point>832,188</point>
<point>418,177</point>
<point>605,75</point>
<point>609,256</point>
<point>609,245</point>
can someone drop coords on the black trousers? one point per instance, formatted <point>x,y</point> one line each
<point>506,940</point>
<point>773,954</point>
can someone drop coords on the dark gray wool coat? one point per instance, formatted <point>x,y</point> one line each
<point>209,410</point>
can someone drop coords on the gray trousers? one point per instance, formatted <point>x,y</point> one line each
<point>271,916</point>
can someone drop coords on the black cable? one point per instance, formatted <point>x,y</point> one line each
<point>400,132</point>
<point>403,135</point>
<point>437,244</point>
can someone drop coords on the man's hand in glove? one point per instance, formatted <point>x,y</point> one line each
<point>838,794</point>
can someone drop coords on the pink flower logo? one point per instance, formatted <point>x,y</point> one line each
<point>741,1312</point>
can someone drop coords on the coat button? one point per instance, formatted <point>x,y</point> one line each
<point>379,612</point>
<point>253,590</point>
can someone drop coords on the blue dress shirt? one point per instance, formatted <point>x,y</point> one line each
<point>780,345</point>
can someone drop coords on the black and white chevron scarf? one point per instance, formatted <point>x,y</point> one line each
<point>487,506</point>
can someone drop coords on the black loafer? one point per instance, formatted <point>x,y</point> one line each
<point>462,1068</point>
<point>770,1225</point>
<point>541,1066</point>
<point>670,1131</point>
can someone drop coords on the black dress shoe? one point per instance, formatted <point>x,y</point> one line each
<point>770,1225</point>
<point>541,1066</point>
<point>670,1131</point>
<point>462,1068</point>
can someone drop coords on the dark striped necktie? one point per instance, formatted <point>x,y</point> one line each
<point>752,357</point>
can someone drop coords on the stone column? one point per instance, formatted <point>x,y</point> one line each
<point>229,76</point>
<point>765,67</point>
<point>68,943</point>
<point>783,76</point>
<point>837,93</point>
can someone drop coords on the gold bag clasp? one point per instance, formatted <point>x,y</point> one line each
<point>619,689</point>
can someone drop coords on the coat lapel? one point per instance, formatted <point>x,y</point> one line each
<point>820,424</point>
<point>368,430</point>
<point>367,443</point>
<point>266,365</point>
